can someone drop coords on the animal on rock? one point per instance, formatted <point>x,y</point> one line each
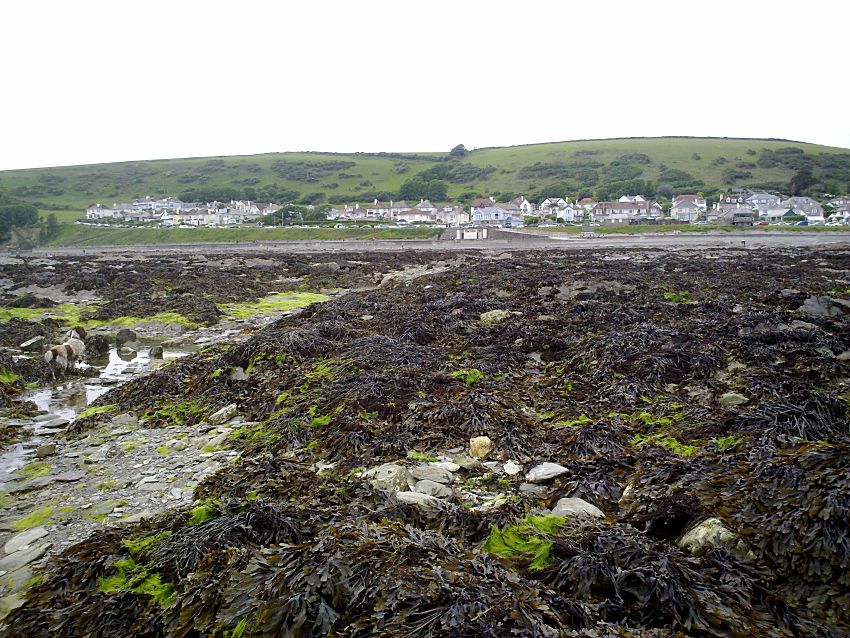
<point>64,355</point>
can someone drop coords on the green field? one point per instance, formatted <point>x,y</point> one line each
<point>63,216</point>
<point>682,164</point>
<point>77,235</point>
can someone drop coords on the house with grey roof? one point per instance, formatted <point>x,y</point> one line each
<point>805,205</point>
<point>763,202</point>
<point>426,206</point>
<point>496,216</point>
<point>634,210</point>
<point>696,200</point>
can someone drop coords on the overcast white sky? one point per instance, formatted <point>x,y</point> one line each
<point>91,81</point>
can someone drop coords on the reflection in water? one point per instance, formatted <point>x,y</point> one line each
<point>68,399</point>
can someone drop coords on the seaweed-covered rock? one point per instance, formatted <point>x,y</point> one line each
<point>97,347</point>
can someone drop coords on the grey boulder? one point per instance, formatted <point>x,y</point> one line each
<point>545,472</point>
<point>567,507</point>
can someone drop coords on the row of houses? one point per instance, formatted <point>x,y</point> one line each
<point>173,212</point>
<point>770,207</point>
<point>401,212</point>
<point>743,207</point>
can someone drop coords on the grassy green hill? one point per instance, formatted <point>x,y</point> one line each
<point>597,167</point>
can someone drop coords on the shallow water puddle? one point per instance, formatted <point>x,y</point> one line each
<point>68,399</point>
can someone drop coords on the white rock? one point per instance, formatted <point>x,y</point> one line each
<point>544,472</point>
<point>512,469</point>
<point>576,507</point>
<point>447,465</point>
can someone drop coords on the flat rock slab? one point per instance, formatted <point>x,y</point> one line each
<point>58,422</point>
<point>28,486</point>
<point>545,472</point>
<point>23,557</point>
<point>10,603</point>
<point>432,473</point>
<point>51,431</point>
<point>45,450</point>
<point>23,539</point>
<point>432,488</point>
<point>70,476</point>
<point>424,501</point>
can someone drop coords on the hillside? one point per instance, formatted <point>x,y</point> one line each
<point>601,168</point>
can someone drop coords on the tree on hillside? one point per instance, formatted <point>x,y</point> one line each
<point>417,188</point>
<point>16,216</point>
<point>48,229</point>
<point>801,181</point>
<point>459,151</point>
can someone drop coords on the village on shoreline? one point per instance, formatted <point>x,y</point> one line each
<point>741,208</point>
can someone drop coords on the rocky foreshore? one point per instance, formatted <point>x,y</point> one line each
<point>541,443</point>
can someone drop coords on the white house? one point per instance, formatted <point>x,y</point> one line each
<point>570,213</point>
<point>495,216</point>
<point>587,203</point>
<point>550,203</point>
<point>694,200</point>
<point>763,202</point>
<point>398,207</point>
<point>525,206</point>
<point>686,211</point>
<point>631,198</point>
<point>426,206</point>
<point>454,216</point>
<point>99,211</point>
<point>633,209</point>
<point>378,209</point>
<point>412,215</point>
<point>733,201</point>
